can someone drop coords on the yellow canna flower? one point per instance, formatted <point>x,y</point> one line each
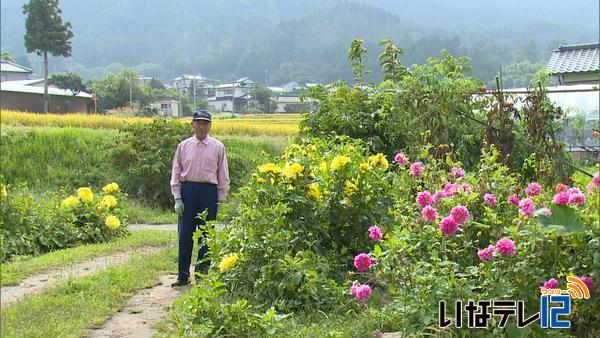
<point>269,168</point>
<point>107,202</point>
<point>112,222</point>
<point>111,188</point>
<point>69,201</point>
<point>365,166</point>
<point>339,161</point>
<point>349,188</point>
<point>314,191</point>
<point>228,262</point>
<point>293,170</point>
<point>379,160</point>
<point>85,194</point>
<point>323,166</point>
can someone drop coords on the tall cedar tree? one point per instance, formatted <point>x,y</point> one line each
<point>46,33</point>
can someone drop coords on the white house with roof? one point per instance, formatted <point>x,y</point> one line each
<point>10,71</point>
<point>231,96</point>
<point>576,64</point>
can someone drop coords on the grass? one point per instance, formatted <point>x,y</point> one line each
<point>15,271</point>
<point>139,213</point>
<point>75,305</point>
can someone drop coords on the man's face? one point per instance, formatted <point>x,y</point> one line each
<point>201,128</point>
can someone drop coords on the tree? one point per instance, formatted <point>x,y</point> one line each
<point>68,80</point>
<point>46,33</point>
<point>6,56</point>
<point>261,94</point>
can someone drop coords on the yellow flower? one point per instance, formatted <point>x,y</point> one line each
<point>228,262</point>
<point>292,170</point>
<point>339,161</point>
<point>85,194</point>
<point>69,201</point>
<point>107,202</point>
<point>314,191</point>
<point>269,168</point>
<point>365,166</point>
<point>260,180</point>
<point>380,160</point>
<point>111,188</point>
<point>323,166</point>
<point>112,222</point>
<point>349,188</point>
<point>3,192</point>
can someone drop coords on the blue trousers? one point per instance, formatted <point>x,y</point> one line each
<point>196,198</point>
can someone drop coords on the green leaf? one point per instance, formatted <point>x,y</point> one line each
<point>563,220</point>
<point>377,251</point>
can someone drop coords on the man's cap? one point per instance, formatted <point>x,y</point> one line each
<point>201,115</point>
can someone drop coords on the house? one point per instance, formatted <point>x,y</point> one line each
<point>290,103</point>
<point>232,96</point>
<point>13,72</point>
<point>167,107</point>
<point>28,95</point>
<point>576,64</point>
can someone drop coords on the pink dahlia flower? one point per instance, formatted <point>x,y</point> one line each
<point>596,179</point>
<point>360,292</point>
<point>589,282</point>
<point>429,213</point>
<point>362,262</point>
<point>562,198</point>
<point>448,226</point>
<point>527,207</point>
<point>505,246</point>
<point>375,233</point>
<point>513,199</point>
<point>416,169</point>
<point>533,189</point>
<point>550,284</point>
<point>458,172</point>
<point>424,199</point>
<point>490,199</point>
<point>401,159</point>
<point>577,199</point>
<point>560,188</point>
<point>486,254</point>
<point>459,214</point>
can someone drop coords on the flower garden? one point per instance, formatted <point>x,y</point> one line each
<point>389,202</point>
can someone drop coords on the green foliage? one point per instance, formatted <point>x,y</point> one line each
<point>425,105</point>
<point>262,96</point>
<point>210,312</point>
<point>45,30</point>
<point>145,152</point>
<point>357,54</point>
<point>48,159</point>
<point>301,220</point>
<point>68,80</point>
<point>562,219</point>
<point>6,56</point>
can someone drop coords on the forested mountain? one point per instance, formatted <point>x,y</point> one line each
<point>275,41</point>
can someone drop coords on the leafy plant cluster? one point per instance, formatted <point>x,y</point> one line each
<point>32,226</point>
<point>394,114</point>
<point>419,265</point>
<point>144,154</point>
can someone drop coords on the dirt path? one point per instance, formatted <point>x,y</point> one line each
<point>36,283</point>
<point>165,227</point>
<point>142,311</point>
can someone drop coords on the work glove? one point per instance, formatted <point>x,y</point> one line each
<point>178,207</point>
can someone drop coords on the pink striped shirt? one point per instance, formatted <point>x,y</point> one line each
<point>202,162</point>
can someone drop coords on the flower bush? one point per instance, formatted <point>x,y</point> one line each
<point>497,239</point>
<point>97,217</point>
<point>32,225</point>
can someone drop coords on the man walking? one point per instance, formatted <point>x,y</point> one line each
<point>200,179</point>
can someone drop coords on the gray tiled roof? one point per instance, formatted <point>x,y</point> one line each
<point>9,67</point>
<point>575,59</point>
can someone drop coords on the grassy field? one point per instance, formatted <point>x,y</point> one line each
<point>251,125</point>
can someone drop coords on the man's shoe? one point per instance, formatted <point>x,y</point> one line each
<point>180,282</point>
